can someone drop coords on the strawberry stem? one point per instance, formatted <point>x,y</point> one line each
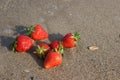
<point>76,35</point>
<point>13,46</point>
<point>61,48</point>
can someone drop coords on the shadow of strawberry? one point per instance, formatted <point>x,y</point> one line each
<point>6,42</point>
<point>53,37</point>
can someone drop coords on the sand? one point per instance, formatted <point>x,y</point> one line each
<point>97,21</point>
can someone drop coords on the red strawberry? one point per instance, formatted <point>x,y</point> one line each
<point>42,50</point>
<point>52,59</point>
<point>54,45</point>
<point>57,46</point>
<point>37,32</point>
<point>69,40</point>
<point>23,43</point>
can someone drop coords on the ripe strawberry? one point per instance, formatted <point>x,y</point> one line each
<point>22,43</point>
<point>42,50</point>
<point>37,32</point>
<point>54,45</point>
<point>57,46</point>
<point>69,40</point>
<point>52,59</point>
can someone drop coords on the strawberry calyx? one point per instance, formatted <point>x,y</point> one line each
<point>13,46</point>
<point>76,36</point>
<point>41,51</point>
<point>29,30</point>
<point>60,50</point>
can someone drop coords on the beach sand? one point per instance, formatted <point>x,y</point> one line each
<point>97,21</point>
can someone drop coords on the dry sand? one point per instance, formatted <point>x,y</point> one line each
<point>97,21</point>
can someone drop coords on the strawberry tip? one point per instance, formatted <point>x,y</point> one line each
<point>46,67</point>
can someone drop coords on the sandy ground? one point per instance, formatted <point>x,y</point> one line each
<point>97,21</point>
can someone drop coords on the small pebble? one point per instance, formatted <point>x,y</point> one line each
<point>70,14</point>
<point>50,13</point>
<point>26,70</point>
<point>93,48</point>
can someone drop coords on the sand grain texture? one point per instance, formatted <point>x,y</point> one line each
<point>97,21</point>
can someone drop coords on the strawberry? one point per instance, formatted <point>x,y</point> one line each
<point>70,40</point>
<point>37,32</point>
<point>45,46</point>
<point>57,46</point>
<point>54,45</point>
<point>52,59</point>
<point>42,50</point>
<point>22,43</point>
